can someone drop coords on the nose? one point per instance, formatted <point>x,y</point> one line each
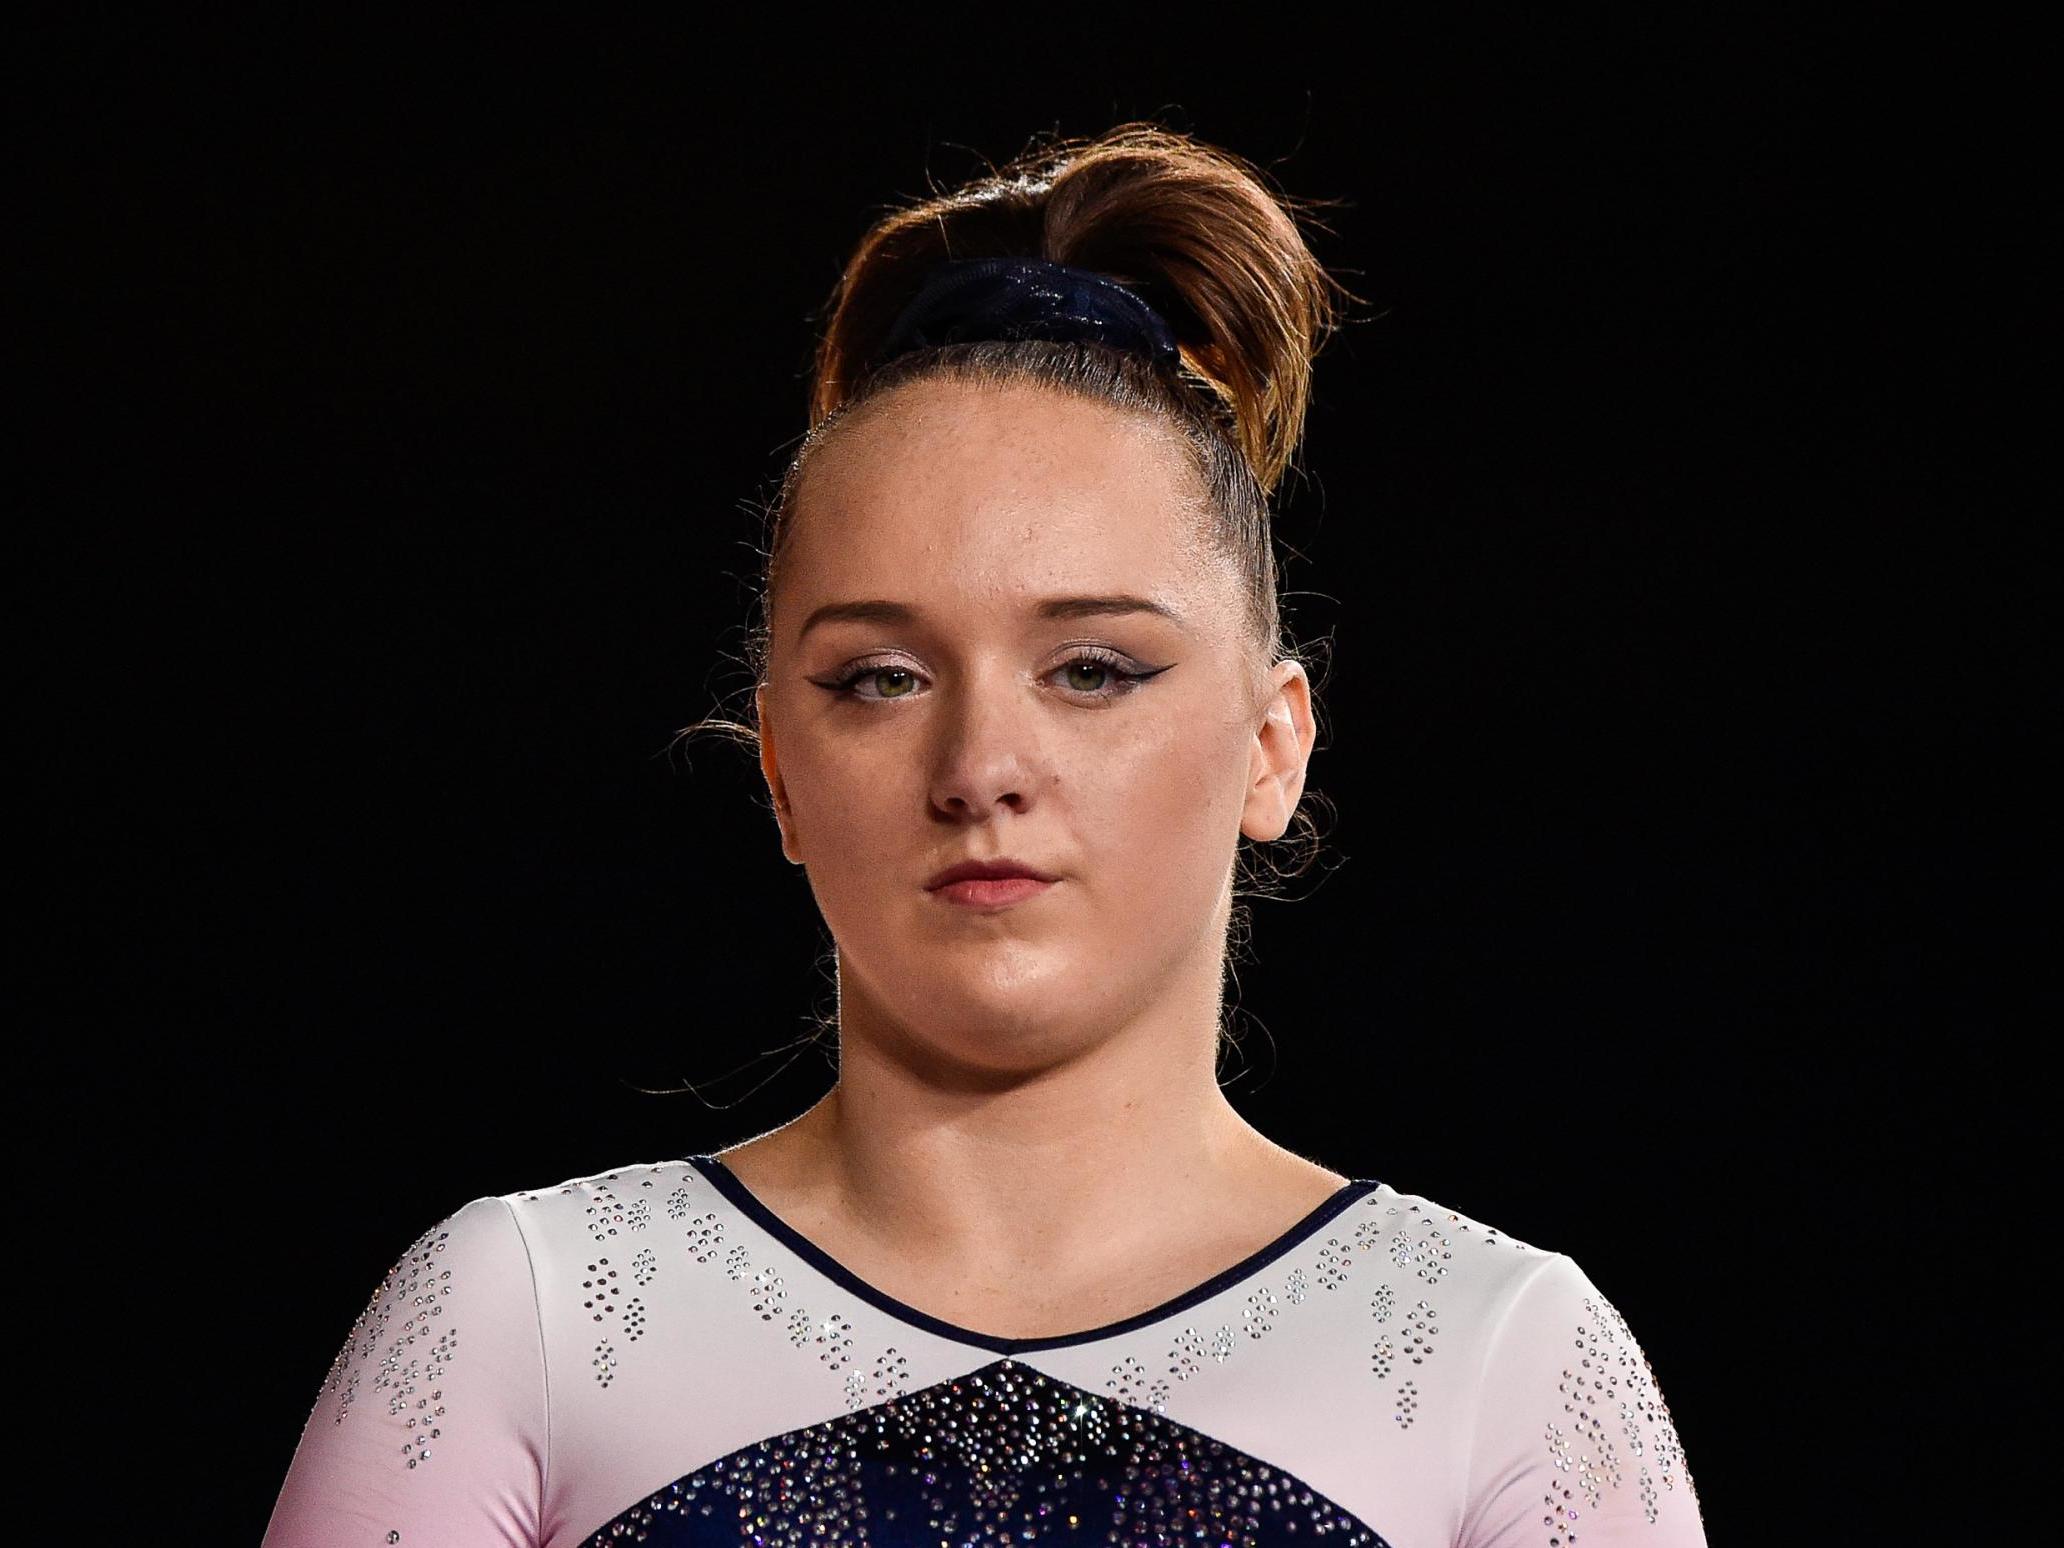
<point>988,755</point>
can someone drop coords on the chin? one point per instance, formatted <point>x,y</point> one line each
<point>990,1014</point>
<point>1003,1054</point>
<point>1023,1024</point>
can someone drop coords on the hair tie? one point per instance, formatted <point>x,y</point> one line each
<point>1027,298</point>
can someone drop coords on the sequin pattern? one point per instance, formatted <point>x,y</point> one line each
<point>1413,1245</point>
<point>607,1218</point>
<point>1008,1453</point>
<point>413,1361</point>
<point>1610,1399</point>
<point>1003,1455</point>
<point>1420,1247</point>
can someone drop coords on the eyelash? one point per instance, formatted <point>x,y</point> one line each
<point>1128,681</point>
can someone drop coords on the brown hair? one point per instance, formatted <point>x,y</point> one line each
<point>1194,230</point>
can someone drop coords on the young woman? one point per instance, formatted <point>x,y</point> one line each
<point>1023,1275</point>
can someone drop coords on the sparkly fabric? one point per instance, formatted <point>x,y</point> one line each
<point>651,1355</point>
<point>963,299</point>
<point>1002,1455</point>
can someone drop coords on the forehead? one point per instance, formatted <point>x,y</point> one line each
<point>979,493</point>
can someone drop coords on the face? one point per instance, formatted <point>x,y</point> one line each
<point>977,718</point>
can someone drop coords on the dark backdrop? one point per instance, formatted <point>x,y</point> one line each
<point>405,398</point>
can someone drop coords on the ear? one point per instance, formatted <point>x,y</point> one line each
<point>771,768</point>
<point>1282,747</point>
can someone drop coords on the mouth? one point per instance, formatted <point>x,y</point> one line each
<point>989,884</point>
<point>988,870</point>
<point>990,892</point>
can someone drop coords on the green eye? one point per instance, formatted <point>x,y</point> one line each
<point>878,673</point>
<point>1116,680</point>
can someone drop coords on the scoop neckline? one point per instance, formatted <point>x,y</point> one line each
<point>728,1183</point>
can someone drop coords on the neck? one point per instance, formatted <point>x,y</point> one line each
<point>1004,1166</point>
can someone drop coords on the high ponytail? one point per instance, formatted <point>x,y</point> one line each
<point>1193,229</point>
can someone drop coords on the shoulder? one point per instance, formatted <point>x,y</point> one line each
<point>1562,1402</point>
<point>606,1225</point>
<point>527,1257</point>
<point>1470,1268</point>
<point>467,1255</point>
<point>513,1238</point>
<point>1500,1288</point>
<point>601,1205</point>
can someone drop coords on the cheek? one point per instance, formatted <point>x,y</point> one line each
<point>1167,792</point>
<point>854,796</point>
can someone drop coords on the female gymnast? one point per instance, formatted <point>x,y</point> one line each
<point>1023,1275</point>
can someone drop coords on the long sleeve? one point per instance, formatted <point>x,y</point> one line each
<point>1573,1442</point>
<point>430,1430</point>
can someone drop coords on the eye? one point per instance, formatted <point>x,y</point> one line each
<point>1107,665</point>
<point>844,686</point>
<point>1101,666</point>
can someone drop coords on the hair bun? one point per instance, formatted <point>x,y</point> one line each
<point>1193,232</point>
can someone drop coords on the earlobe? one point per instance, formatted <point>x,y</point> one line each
<point>1281,749</point>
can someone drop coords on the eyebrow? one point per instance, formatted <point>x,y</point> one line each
<point>878,611</point>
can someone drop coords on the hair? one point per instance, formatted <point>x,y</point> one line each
<point>1195,231</point>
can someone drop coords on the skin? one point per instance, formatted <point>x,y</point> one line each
<point>1014,1084</point>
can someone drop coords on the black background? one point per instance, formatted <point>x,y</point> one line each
<point>403,400</point>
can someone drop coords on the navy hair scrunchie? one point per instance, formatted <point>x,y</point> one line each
<point>1026,298</point>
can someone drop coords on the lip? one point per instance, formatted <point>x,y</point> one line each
<point>989,884</point>
<point>991,892</point>
<point>1003,867</point>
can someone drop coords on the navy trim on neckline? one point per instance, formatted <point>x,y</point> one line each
<point>727,1183</point>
